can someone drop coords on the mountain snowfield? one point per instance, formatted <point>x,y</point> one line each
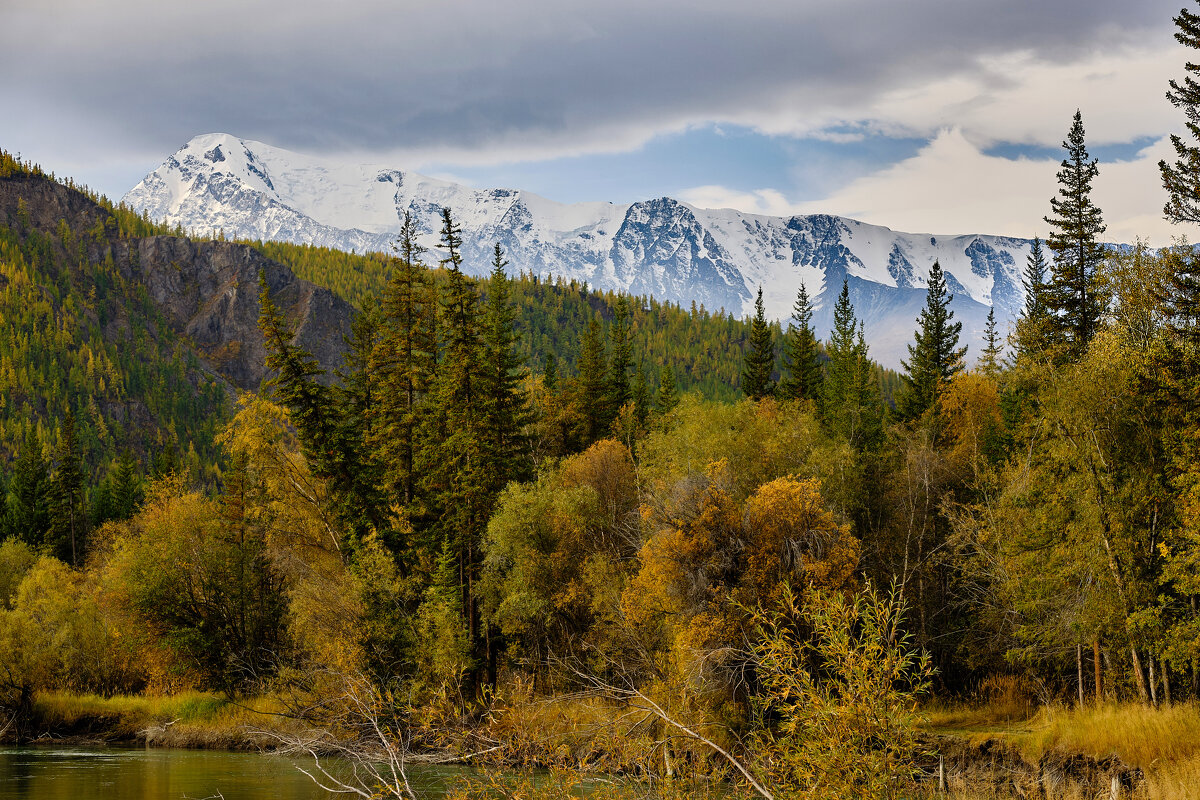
<point>717,258</point>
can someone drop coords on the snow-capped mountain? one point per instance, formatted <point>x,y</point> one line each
<point>713,257</point>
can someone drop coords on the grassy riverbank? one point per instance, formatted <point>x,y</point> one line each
<point>1164,742</point>
<point>187,719</point>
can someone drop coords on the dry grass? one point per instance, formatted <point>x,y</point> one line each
<point>1163,742</point>
<point>1173,781</point>
<point>1138,735</point>
<point>186,719</point>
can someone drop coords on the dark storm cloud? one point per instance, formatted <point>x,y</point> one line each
<point>380,75</point>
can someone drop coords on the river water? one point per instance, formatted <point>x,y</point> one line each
<point>73,773</point>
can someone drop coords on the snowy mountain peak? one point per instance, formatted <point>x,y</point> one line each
<point>717,258</point>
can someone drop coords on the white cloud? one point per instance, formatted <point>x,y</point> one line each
<point>951,187</point>
<point>760,201</point>
<point>1017,96</point>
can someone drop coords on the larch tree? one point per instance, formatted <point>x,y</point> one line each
<point>1076,223</point>
<point>935,357</point>
<point>759,363</point>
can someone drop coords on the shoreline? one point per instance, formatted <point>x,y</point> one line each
<point>967,750</point>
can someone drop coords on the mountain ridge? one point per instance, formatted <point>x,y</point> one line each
<point>663,247</point>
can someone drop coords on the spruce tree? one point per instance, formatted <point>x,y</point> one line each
<point>593,383</point>
<point>295,382</point>
<point>668,395</point>
<point>1033,326</point>
<point>326,424</point>
<point>850,403</point>
<point>126,485</point>
<point>802,364</point>
<point>1182,182</point>
<point>453,461</point>
<point>505,407</point>
<point>404,361</point>
<point>759,361</point>
<point>619,392</point>
<point>935,357</point>
<point>460,323</point>
<point>1076,223</point>
<point>66,493</point>
<point>28,513</point>
<point>358,421</point>
<point>989,360</point>
<point>1182,179</point>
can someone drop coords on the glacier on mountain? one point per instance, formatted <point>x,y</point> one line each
<point>716,258</point>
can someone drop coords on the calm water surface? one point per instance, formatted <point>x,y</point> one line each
<point>47,773</point>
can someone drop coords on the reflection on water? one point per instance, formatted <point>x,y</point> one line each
<point>48,773</point>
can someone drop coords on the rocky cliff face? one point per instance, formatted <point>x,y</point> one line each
<point>206,291</point>
<point>209,292</point>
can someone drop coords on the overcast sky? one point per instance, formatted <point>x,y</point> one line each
<point>939,116</point>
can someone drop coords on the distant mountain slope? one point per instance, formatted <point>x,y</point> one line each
<point>664,248</point>
<point>141,334</point>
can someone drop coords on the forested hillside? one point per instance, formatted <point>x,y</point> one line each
<point>96,387</point>
<point>702,348</point>
<point>124,344</point>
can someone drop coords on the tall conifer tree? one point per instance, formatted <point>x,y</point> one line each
<point>935,357</point>
<point>66,492</point>
<point>989,360</point>
<point>619,391</point>
<point>505,406</point>
<point>404,359</point>
<point>759,362</point>
<point>668,395</point>
<point>28,512</point>
<point>802,365</point>
<point>1076,224</point>
<point>1182,182</point>
<point>453,462</point>
<point>1182,179</point>
<point>641,396</point>
<point>126,485</point>
<point>1033,326</point>
<point>593,388</point>
<point>850,403</point>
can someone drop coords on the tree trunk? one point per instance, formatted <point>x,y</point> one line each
<point>1099,672</point>
<point>1166,684</point>
<point>1079,671</point>
<point>1139,677</point>
<point>1153,689</point>
<point>1195,662</point>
